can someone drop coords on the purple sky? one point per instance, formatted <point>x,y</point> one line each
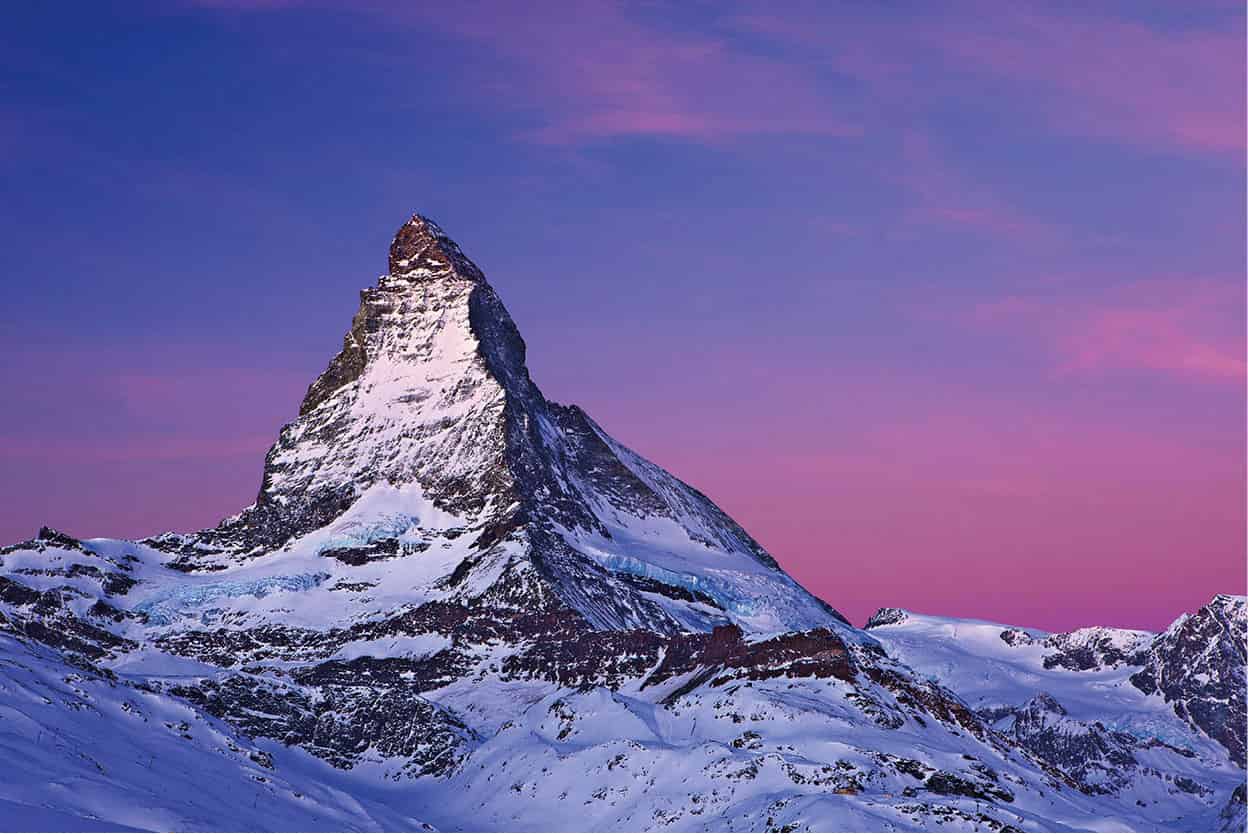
<point>947,309</point>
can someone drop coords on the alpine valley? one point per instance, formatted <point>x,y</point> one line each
<point>457,605</point>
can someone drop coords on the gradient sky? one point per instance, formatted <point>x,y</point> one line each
<point>947,309</point>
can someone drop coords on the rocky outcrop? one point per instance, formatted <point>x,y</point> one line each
<point>343,724</point>
<point>1100,760</point>
<point>1096,648</point>
<point>1234,815</point>
<point>886,616</point>
<point>1198,665</point>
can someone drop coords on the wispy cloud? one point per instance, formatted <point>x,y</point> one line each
<point>1180,89</point>
<point>1176,90</point>
<point>1188,327</point>
<point>939,194</point>
<point>599,70</point>
<point>604,72</point>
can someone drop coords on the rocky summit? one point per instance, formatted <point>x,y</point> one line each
<point>455,604</point>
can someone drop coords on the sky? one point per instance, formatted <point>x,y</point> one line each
<point>944,303</point>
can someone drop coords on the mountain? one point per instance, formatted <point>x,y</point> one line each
<point>455,604</point>
<point>1197,666</point>
<point>425,432</point>
<point>1156,719</point>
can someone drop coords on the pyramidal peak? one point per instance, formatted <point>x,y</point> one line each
<point>426,430</point>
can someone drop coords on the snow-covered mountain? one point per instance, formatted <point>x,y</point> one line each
<point>426,435</point>
<point>1157,719</point>
<point>457,604</point>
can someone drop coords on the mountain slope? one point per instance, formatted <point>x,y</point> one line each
<point>1086,702</point>
<point>84,751</point>
<point>456,603</point>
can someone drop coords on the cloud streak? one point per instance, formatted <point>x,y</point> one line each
<point>938,194</point>
<point>1188,328</point>
<point>603,70</point>
<point>1177,90</point>
<point>602,73</point>
<point>1122,81</point>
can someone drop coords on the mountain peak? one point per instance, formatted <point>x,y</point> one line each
<point>421,249</point>
<point>426,433</point>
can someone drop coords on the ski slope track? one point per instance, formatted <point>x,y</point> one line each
<point>456,605</point>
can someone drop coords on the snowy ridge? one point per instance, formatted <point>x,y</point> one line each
<point>1077,700</point>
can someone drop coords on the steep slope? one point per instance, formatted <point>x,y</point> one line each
<point>1197,666</point>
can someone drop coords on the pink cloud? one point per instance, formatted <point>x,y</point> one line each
<point>1192,328</point>
<point>599,70</point>
<point>1160,340</point>
<point>1123,81</point>
<point>602,72</point>
<point>1177,90</point>
<point>939,194</point>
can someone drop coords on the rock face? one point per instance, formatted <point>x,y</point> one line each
<point>1101,760</point>
<point>430,395</point>
<point>1198,664</point>
<point>455,602</point>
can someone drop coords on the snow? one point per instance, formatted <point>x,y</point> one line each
<point>20,816</point>
<point>421,645</point>
<point>969,657</point>
<point>147,662</point>
<point>101,756</point>
<point>696,548</point>
<point>609,761</point>
<point>183,600</point>
<point>97,755</point>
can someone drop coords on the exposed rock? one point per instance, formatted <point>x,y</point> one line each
<point>1198,665</point>
<point>1100,760</point>
<point>1096,648</point>
<point>886,616</point>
